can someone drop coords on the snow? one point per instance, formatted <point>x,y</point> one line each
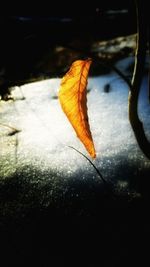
<point>42,145</point>
<point>115,45</point>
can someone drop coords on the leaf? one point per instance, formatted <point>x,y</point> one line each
<point>73,100</point>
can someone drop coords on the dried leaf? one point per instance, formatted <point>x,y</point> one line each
<point>73,100</point>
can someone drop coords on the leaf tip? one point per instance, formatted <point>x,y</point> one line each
<point>93,155</point>
<point>92,152</point>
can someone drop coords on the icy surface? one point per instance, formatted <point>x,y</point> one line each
<point>41,149</point>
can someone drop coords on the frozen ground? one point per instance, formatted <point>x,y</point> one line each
<point>41,149</point>
<point>53,209</point>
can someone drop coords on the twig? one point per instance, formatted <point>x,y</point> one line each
<point>10,127</point>
<point>140,55</point>
<point>98,172</point>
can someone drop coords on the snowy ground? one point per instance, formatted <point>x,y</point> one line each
<point>41,178</point>
<point>41,149</point>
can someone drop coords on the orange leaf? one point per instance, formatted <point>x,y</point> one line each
<point>73,100</point>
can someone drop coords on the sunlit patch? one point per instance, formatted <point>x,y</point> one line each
<point>45,134</point>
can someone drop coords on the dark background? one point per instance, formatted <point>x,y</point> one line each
<point>29,40</point>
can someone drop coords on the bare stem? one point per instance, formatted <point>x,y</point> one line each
<point>140,55</point>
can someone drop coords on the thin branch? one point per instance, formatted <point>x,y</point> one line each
<point>14,130</point>
<point>124,77</point>
<point>98,172</point>
<point>107,186</point>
